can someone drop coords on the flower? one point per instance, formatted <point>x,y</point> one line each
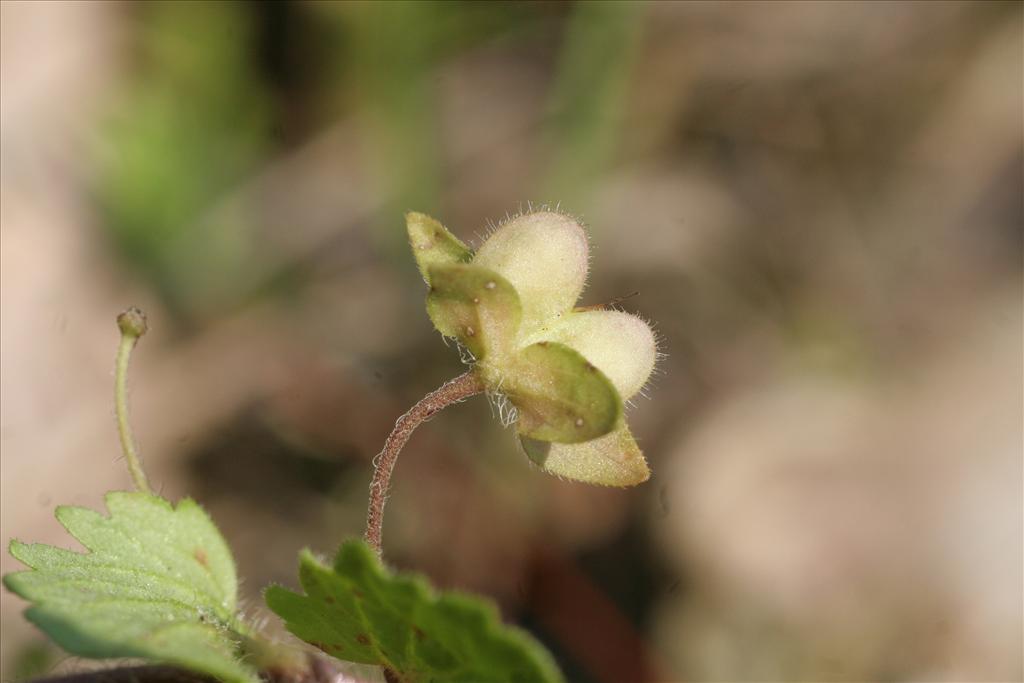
<point>566,370</point>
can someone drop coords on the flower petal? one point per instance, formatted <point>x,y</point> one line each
<point>559,395</point>
<point>621,345</point>
<point>544,256</point>
<point>611,460</point>
<point>474,305</point>
<point>433,244</point>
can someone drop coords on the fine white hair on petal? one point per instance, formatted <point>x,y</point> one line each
<point>659,355</point>
<point>622,345</point>
<point>545,256</point>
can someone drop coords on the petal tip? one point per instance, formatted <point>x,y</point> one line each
<point>544,255</point>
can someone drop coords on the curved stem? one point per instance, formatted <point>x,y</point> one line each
<point>133,325</point>
<point>456,390</point>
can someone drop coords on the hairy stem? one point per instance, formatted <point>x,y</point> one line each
<point>456,390</point>
<point>133,325</point>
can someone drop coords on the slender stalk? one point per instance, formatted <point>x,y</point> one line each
<point>458,389</point>
<point>133,325</point>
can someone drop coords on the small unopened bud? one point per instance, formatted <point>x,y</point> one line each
<point>544,256</point>
<point>566,370</point>
<point>132,322</point>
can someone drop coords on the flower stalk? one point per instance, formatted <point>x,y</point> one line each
<point>458,389</point>
<point>132,324</point>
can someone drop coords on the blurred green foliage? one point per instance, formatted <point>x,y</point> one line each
<point>193,123</point>
<point>200,116</point>
<point>394,49</point>
<point>589,96</point>
<point>32,661</point>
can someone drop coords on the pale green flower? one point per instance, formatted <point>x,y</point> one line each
<point>567,371</point>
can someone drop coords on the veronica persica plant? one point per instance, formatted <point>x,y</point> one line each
<point>158,581</point>
<point>566,370</point>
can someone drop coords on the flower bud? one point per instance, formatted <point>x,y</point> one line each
<point>566,371</point>
<point>544,256</point>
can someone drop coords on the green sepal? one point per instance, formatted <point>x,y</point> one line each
<point>359,612</point>
<point>157,583</point>
<point>433,244</point>
<point>474,305</point>
<point>560,396</point>
<point>614,459</point>
<point>622,345</point>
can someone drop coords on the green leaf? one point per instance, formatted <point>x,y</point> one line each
<point>359,612</point>
<point>560,395</point>
<point>432,243</point>
<point>474,305</point>
<point>158,583</point>
<point>611,460</point>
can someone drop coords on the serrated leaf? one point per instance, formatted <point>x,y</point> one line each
<point>359,612</point>
<point>560,395</point>
<point>157,583</point>
<point>432,243</point>
<point>474,305</point>
<point>611,460</point>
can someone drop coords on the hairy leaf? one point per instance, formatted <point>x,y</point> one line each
<point>359,612</point>
<point>158,583</point>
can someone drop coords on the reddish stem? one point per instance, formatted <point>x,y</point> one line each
<point>458,389</point>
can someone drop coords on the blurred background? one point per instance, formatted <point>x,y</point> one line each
<point>819,205</point>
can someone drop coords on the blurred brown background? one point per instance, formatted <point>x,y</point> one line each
<point>820,205</point>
